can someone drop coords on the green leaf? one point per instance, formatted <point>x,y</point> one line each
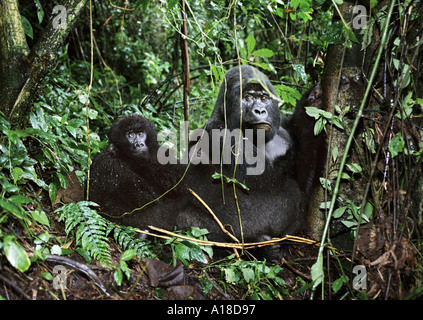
<point>143,3</point>
<point>316,272</point>
<point>197,232</point>
<point>266,53</point>
<point>9,187</point>
<point>295,3</point>
<point>118,276</point>
<point>334,34</point>
<point>40,11</point>
<point>339,212</point>
<point>368,211</point>
<point>354,167</point>
<point>229,275</point>
<point>248,274</point>
<point>319,126</point>
<point>47,276</point>
<point>396,145</point>
<point>16,255</point>
<point>10,206</point>
<point>52,191</point>
<point>337,284</point>
<point>56,250</point>
<point>39,216</point>
<point>313,112</point>
<point>16,174</point>
<point>125,269</point>
<point>171,4</point>
<point>27,27</point>
<point>127,255</point>
<point>251,43</point>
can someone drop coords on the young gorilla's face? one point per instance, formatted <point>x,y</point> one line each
<point>133,138</point>
<point>136,141</point>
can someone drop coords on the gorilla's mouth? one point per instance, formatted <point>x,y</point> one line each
<point>259,125</point>
<point>139,153</point>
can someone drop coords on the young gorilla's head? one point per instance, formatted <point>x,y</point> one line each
<point>133,137</point>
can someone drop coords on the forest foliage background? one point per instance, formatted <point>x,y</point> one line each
<point>133,61</point>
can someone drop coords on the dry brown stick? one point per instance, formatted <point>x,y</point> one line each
<point>15,287</point>
<point>214,216</point>
<point>228,244</point>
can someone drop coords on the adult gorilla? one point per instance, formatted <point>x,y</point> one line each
<point>273,204</point>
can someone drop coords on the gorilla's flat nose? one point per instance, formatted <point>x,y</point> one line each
<point>260,113</point>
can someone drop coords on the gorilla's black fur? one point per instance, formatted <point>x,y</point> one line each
<point>127,174</point>
<point>276,201</point>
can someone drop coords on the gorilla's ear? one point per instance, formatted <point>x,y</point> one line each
<point>113,150</point>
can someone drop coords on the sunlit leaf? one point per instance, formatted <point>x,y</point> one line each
<point>16,255</point>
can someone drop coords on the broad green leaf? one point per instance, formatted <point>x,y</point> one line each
<point>251,43</point>
<point>248,274</point>
<point>10,206</point>
<point>47,276</point>
<point>9,187</point>
<point>118,276</point>
<point>396,145</point>
<point>354,167</point>
<point>16,255</point>
<point>368,210</point>
<point>39,216</point>
<point>197,232</point>
<point>313,112</point>
<point>56,250</point>
<point>316,272</point>
<point>16,174</point>
<point>27,27</point>
<point>339,212</point>
<point>229,275</point>
<point>127,255</point>
<point>267,53</point>
<point>337,284</point>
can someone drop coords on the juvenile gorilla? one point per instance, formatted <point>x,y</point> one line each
<point>123,175</point>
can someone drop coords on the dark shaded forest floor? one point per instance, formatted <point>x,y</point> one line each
<point>393,272</point>
<point>160,282</point>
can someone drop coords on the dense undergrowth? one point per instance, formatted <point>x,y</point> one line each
<point>66,128</point>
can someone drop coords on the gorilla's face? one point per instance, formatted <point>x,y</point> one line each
<point>133,138</point>
<point>136,143</point>
<point>260,111</point>
<point>255,110</point>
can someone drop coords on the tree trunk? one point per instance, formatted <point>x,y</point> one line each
<point>23,70</point>
<point>13,51</point>
<point>342,85</point>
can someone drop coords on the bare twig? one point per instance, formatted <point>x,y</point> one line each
<point>214,216</point>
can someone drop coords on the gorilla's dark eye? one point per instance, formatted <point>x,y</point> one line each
<point>264,98</point>
<point>131,134</point>
<point>248,98</point>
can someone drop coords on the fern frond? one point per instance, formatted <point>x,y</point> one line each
<point>90,229</point>
<point>125,237</point>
